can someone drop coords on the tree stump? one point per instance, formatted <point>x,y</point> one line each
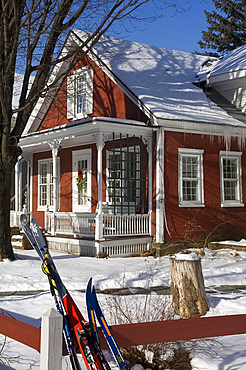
<point>187,286</point>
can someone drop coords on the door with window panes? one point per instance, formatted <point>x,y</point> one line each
<point>82,170</point>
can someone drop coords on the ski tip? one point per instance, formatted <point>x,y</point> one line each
<point>89,285</point>
<point>23,217</point>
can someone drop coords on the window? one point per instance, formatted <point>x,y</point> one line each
<point>190,177</point>
<point>80,93</point>
<point>230,172</point>
<point>126,179</point>
<point>45,183</point>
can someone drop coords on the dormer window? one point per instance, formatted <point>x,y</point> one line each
<point>80,94</point>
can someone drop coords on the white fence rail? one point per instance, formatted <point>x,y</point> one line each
<point>15,217</point>
<point>125,225</point>
<point>84,224</point>
<point>71,223</point>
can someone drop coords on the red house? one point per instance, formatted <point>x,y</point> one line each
<point>136,145</point>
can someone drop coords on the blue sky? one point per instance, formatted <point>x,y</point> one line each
<point>180,31</point>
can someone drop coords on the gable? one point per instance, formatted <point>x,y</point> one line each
<point>108,99</point>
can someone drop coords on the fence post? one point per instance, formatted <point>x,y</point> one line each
<point>51,341</point>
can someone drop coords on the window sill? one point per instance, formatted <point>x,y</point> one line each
<point>191,205</point>
<point>232,205</point>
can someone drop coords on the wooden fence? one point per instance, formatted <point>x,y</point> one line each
<point>139,333</point>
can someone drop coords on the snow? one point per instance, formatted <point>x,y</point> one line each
<point>163,79</point>
<point>221,269</point>
<point>234,60</point>
<point>17,88</point>
<point>186,257</point>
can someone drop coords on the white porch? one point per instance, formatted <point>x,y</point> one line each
<point>117,226</point>
<point>122,235</point>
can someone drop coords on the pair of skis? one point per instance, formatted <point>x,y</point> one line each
<point>77,332</point>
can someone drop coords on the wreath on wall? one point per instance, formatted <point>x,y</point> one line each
<point>80,181</point>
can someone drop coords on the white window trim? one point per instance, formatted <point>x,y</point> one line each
<point>71,93</point>
<point>237,156</point>
<point>196,153</point>
<point>51,208</point>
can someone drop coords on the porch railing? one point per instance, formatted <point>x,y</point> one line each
<point>71,223</point>
<point>125,225</point>
<point>84,224</point>
<point>15,217</point>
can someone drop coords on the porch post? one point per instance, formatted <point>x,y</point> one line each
<point>30,162</point>
<point>54,146</point>
<point>100,141</point>
<point>160,186</point>
<point>20,184</point>
<point>148,142</point>
<point>16,192</point>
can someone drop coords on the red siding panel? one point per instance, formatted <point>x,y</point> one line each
<point>193,223</point>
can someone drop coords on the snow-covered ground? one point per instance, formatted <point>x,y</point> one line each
<point>221,269</point>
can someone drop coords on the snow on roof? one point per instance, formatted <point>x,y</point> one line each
<point>233,61</point>
<point>17,89</point>
<point>162,79</point>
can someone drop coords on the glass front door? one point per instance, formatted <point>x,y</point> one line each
<point>82,180</point>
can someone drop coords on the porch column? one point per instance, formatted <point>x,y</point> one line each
<point>148,143</point>
<point>54,146</point>
<point>17,187</point>
<point>30,177</point>
<point>20,184</point>
<point>160,186</point>
<point>100,139</point>
<point>16,194</point>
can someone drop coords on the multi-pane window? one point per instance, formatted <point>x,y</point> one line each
<point>46,183</point>
<point>230,168</point>
<point>190,177</point>
<point>80,93</point>
<point>114,177</point>
<point>126,179</point>
<point>43,184</point>
<point>124,175</point>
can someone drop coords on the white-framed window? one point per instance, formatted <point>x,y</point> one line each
<point>123,175</point>
<point>191,177</point>
<point>80,93</point>
<point>230,174</point>
<point>46,183</point>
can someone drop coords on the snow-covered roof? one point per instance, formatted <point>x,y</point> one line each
<point>18,81</point>
<point>234,61</point>
<point>162,79</point>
